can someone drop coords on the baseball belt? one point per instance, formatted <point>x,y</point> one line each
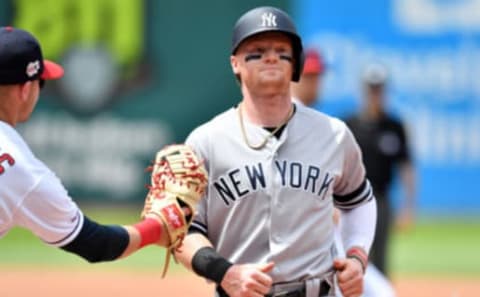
<point>300,289</point>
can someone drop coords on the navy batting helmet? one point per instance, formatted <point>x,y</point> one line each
<point>269,19</point>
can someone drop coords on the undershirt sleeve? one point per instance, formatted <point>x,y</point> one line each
<point>98,243</point>
<point>358,225</point>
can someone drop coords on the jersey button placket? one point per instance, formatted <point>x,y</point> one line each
<point>275,205</point>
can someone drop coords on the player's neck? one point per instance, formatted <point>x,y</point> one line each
<point>7,115</point>
<point>268,111</point>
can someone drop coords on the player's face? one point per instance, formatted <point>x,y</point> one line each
<point>375,94</point>
<point>265,62</point>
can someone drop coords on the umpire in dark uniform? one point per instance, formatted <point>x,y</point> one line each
<point>384,145</point>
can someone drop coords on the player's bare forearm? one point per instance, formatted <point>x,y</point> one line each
<point>405,218</point>
<point>191,244</point>
<point>408,179</point>
<point>135,240</point>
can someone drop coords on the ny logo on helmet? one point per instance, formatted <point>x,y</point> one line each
<point>269,20</point>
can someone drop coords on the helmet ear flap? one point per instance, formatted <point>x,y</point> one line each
<point>299,60</point>
<point>269,19</point>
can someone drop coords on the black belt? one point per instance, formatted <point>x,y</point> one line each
<point>299,292</point>
<point>302,292</point>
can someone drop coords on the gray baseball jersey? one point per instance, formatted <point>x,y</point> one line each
<point>275,204</point>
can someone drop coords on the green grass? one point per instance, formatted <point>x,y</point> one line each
<point>433,247</point>
<point>438,246</point>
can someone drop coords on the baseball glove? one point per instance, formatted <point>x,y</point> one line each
<point>178,181</point>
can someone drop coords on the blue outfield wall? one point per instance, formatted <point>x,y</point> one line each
<point>432,51</point>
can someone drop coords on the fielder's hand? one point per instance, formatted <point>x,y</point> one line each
<point>178,181</point>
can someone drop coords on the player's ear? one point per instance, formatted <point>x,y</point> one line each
<point>25,89</point>
<point>235,65</point>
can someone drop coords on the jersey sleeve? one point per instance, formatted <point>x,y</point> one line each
<point>49,212</point>
<point>200,146</point>
<point>352,188</point>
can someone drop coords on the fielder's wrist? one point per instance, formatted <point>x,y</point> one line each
<point>360,255</point>
<point>150,231</point>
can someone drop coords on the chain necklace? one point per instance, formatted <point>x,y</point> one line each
<point>265,141</point>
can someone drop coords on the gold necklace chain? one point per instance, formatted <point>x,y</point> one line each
<point>265,141</point>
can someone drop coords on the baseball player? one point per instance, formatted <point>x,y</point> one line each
<point>306,91</point>
<point>265,227</point>
<point>31,196</point>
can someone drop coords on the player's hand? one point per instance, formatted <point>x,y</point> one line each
<point>349,276</point>
<point>248,280</point>
<point>164,240</point>
<point>178,181</point>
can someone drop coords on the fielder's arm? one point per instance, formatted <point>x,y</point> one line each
<point>59,222</point>
<point>97,243</point>
<point>406,216</point>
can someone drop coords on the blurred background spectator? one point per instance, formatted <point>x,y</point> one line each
<point>384,144</point>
